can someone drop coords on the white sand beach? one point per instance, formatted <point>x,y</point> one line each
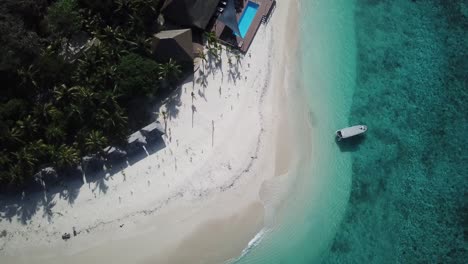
<point>195,200</point>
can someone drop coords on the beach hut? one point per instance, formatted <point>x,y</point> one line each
<point>189,13</point>
<point>175,44</point>
<point>46,176</point>
<point>153,131</point>
<point>114,154</point>
<point>135,143</point>
<point>92,163</point>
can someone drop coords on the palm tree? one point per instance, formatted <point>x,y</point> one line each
<point>75,112</point>
<point>85,98</point>
<point>26,161</point>
<point>5,159</point>
<point>202,55</point>
<point>25,157</point>
<point>238,57</point>
<point>212,39</point>
<point>65,95</point>
<point>137,15</point>
<point>111,118</point>
<point>27,75</point>
<point>16,174</point>
<point>74,100</point>
<point>91,21</point>
<point>213,51</point>
<point>95,67</point>
<point>102,117</point>
<point>29,126</point>
<point>47,112</point>
<point>169,71</point>
<point>39,149</point>
<point>95,142</point>
<point>55,133</point>
<point>64,156</point>
<point>16,134</point>
<point>232,53</point>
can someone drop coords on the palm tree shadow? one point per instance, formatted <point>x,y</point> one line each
<point>70,188</point>
<point>22,206</point>
<point>27,207</point>
<point>202,95</point>
<point>48,205</point>
<point>101,185</point>
<point>173,105</point>
<point>202,79</point>
<point>71,191</point>
<point>350,144</point>
<point>172,101</point>
<point>233,76</point>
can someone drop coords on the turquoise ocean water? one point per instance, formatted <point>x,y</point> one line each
<point>399,194</point>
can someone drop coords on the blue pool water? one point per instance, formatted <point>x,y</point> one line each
<point>247,18</point>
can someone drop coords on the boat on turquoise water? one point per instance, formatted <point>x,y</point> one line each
<point>352,131</point>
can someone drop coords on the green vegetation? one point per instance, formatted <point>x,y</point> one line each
<point>64,17</point>
<point>70,72</point>
<point>136,75</point>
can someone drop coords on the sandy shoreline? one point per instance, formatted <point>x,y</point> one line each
<point>200,192</point>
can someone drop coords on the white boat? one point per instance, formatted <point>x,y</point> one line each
<point>351,131</point>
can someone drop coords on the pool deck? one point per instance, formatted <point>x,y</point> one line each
<point>225,35</point>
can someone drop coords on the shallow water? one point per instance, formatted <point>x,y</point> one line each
<point>319,193</point>
<point>399,194</point>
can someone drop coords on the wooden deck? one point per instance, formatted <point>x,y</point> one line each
<point>225,34</point>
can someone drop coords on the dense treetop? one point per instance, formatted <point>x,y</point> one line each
<point>71,71</point>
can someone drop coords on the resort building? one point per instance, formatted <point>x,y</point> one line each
<point>175,44</point>
<point>189,13</point>
<point>249,14</point>
<point>234,22</point>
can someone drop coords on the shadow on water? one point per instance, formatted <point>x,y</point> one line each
<point>350,144</point>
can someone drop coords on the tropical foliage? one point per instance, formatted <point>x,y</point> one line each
<point>136,75</point>
<point>62,99</point>
<point>64,17</point>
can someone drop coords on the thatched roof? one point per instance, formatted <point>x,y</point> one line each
<point>135,143</point>
<point>153,128</point>
<point>136,138</point>
<point>175,44</point>
<point>114,154</point>
<point>189,13</point>
<point>153,131</point>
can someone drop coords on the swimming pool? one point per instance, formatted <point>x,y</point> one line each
<point>247,18</point>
